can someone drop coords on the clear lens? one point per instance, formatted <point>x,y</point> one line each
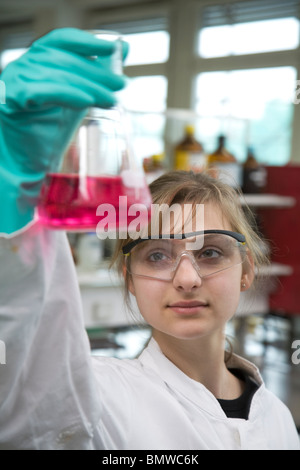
<point>209,254</point>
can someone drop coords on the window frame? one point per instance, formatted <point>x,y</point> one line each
<point>253,61</point>
<point>109,19</point>
<point>184,64</point>
<point>184,19</point>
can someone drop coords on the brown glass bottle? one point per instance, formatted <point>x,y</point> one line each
<point>225,165</point>
<point>254,175</point>
<point>189,153</point>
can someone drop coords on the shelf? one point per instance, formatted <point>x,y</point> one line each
<point>268,200</point>
<point>98,278</point>
<point>276,269</point>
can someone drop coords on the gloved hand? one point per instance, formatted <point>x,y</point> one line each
<point>48,91</point>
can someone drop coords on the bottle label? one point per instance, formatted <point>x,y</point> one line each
<point>229,173</point>
<point>187,161</point>
<point>259,177</point>
<point>197,161</point>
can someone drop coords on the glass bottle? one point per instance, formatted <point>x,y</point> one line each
<point>254,174</point>
<point>189,153</point>
<point>224,164</point>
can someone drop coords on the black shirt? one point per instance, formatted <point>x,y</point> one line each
<point>239,408</point>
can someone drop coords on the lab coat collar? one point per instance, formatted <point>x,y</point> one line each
<point>153,358</point>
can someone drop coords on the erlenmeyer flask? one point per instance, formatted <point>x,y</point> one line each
<point>99,180</point>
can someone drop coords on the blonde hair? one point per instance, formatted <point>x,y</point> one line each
<point>184,187</point>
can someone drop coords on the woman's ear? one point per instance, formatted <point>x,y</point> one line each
<point>248,272</point>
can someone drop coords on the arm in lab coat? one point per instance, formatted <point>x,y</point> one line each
<point>47,389</point>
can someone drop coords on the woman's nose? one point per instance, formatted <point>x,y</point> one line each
<point>186,276</point>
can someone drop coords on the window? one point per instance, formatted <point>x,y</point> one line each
<point>253,107</point>
<point>14,42</point>
<point>146,98</point>
<point>249,38</point>
<point>147,48</point>
<point>232,67</point>
<point>146,94</point>
<point>245,80</point>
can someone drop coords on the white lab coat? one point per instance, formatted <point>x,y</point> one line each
<point>54,395</point>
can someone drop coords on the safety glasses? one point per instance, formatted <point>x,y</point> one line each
<point>209,251</point>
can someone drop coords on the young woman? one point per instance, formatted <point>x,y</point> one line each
<point>184,391</point>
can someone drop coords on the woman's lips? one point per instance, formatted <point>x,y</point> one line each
<point>188,307</point>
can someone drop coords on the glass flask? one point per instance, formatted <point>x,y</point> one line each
<point>99,185</point>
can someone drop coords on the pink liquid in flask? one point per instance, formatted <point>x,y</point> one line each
<point>65,204</point>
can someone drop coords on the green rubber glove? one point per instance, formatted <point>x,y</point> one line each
<point>48,92</point>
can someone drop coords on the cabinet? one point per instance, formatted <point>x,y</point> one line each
<point>257,300</point>
<point>282,226</point>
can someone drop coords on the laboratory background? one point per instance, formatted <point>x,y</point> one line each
<point>208,81</point>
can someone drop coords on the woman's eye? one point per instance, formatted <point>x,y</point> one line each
<point>157,256</point>
<point>210,253</point>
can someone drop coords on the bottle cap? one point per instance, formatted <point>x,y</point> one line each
<point>189,129</point>
<point>222,140</point>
